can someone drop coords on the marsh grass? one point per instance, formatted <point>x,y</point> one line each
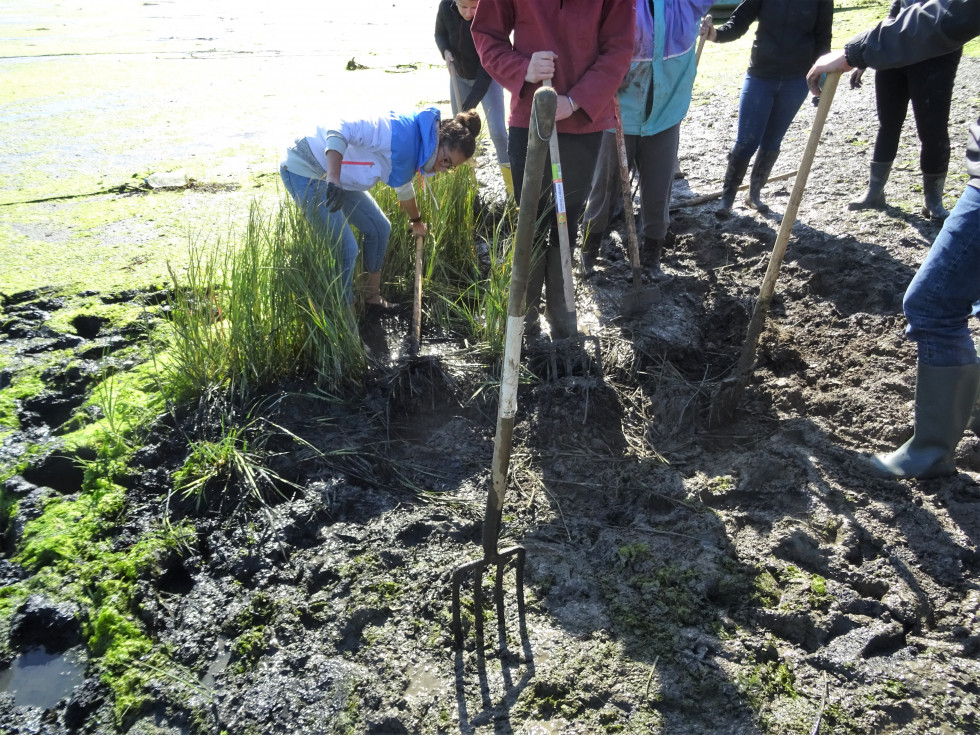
<point>247,314</point>
<point>481,308</point>
<point>446,203</point>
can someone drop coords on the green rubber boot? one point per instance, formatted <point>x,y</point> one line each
<point>944,401</point>
<point>874,197</point>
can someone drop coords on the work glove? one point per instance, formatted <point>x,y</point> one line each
<point>335,197</point>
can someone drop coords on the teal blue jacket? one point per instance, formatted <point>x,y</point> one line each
<point>656,91</point>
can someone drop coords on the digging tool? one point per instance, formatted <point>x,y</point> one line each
<point>636,302</point>
<point>723,406</point>
<point>560,214</point>
<point>458,107</point>
<point>541,128</point>
<point>416,339</point>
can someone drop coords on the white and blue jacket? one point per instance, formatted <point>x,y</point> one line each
<point>390,148</point>
<point>656,92</point>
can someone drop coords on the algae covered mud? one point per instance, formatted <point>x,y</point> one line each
<point>680,579</point>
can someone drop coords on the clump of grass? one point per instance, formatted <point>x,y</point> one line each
<point>236,456</point>
<point>273,306</point>
<point>480,309</point>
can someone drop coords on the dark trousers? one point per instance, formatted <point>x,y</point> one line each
<point>578,155</point>
<point>929,86</point>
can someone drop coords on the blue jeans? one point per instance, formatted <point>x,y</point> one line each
<point>945,291</point>
<point>765,110</point>
<point>358,210</point>
<point>493,108</point>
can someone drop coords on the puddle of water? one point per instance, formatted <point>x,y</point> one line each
<point>423,681</point>
<point>220,663</point>
<point>37,678</point>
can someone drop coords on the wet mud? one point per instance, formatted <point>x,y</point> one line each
<point>680,577</point>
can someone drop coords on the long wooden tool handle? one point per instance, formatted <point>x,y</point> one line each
<point>786,228</point>
<point>627,193</point>
<point>542,124</point>
<point>455,82</point>
<point>417,297</point>
<point>563,242</point>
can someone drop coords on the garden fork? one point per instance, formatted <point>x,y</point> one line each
<point>542,124</point>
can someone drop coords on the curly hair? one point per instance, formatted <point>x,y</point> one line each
<point>459,133</point>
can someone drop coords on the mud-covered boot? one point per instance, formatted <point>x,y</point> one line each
<point>591,244</point>
<point>374,305</point>
<point>944,401</point>
<point>764,161</point>
<point>874,197</point>
<point>932,193</point>
<point>737,166</point>
<point>651,253</point>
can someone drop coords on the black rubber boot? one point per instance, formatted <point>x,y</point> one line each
<point>944,401</point>
<point>733,179</point>
<point>874,197</point>
<point>764,161</point>
<point>651,253</point>
<point>932,193</point>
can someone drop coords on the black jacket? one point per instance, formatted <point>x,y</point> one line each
<point>453,34</point>
<point>791,35</point>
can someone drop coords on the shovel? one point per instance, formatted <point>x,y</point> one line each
<point>577,354</point>
<point>726,400</point>
<point>416,339</point>
<point>564,245</point>
<point>636,302</point>
<point>455,82</point>
<point>542,124</point>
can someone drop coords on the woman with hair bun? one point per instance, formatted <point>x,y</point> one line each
<point>329,175</point>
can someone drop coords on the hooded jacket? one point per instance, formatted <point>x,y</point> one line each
<point>656,93</point>
<point>389,148</point>
<point>921,31</point>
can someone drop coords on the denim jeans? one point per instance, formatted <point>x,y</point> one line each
<point>945,291</point>
<point>493,108</point>
<point>765,110</point>
<point>358,210</point>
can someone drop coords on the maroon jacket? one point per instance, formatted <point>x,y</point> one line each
<point>592,38</point>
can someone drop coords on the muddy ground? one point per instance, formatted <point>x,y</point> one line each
<point>679,578</point>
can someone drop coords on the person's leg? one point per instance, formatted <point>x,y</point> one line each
<point>789,96</point>
<point>655,157</point>
<point>938,304</point>
<point>753,111</point>
<point>363,213</point>
<point>310,196</point>
<point>603,192</point>
<point>891,102</point>
<point>945,291</point>
<point>493,108</point>
<point>931,91</point>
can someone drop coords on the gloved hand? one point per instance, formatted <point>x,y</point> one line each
<point>856,77</point>
<point>335,197</point>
